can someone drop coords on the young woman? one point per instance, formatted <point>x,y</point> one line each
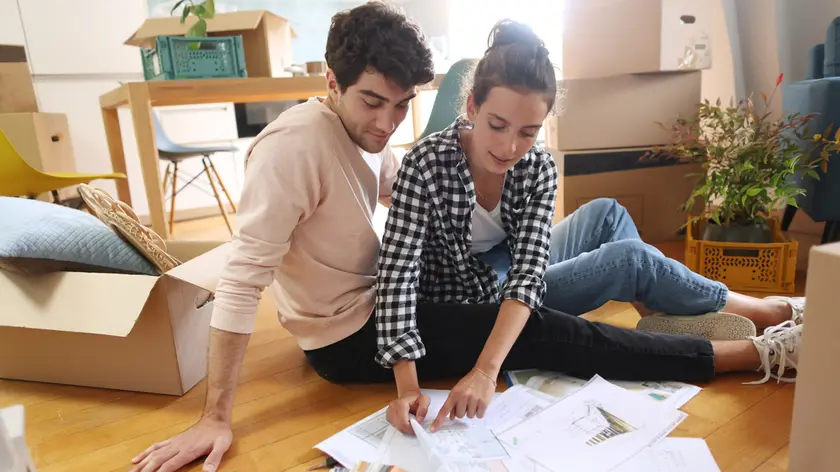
<point>470,262</point>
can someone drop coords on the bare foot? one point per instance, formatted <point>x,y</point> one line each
<point>640,307</point>
<point>762,312</point>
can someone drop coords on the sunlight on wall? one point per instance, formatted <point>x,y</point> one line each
<point>470,26</point>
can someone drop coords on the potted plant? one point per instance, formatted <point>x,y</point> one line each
<point>182,57</point>
<point>748,157</point>
<point>203,11</point>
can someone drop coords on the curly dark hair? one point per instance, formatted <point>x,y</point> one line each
<point>381,37</point>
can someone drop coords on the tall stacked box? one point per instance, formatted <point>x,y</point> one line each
<point>624,83</point>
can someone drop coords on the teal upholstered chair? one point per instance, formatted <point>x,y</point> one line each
<point>447,102</point>
<point>819,93</point>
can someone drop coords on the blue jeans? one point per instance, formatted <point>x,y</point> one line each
<point>596,255</point>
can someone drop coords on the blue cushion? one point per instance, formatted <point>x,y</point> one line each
<point>831,67</point>
<point>816,62</point>
<point>39,237</point>
<point>821,97</point>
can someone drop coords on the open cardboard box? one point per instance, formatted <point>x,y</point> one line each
<point>128,332</point>
<point>266,37</point>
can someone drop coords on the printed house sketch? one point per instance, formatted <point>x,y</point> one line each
<point>372,431</point>
<point>598,424</point>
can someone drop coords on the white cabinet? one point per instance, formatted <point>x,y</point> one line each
<point>84,37</point>
<point>11,31</point>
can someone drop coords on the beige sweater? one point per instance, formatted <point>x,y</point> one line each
<point>305,229</point>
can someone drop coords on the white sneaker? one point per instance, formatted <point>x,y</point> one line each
<point>778,347</point>
<point>797,306</point>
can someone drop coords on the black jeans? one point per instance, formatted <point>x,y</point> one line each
<point>454,336</point>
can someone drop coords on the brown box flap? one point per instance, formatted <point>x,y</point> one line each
<point>203,270</point>
<point>171,26</point>
<point>77,302</point>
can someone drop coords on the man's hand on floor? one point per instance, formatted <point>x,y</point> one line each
<point>207,437</point>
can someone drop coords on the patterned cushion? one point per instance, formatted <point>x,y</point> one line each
<point>38,237</point>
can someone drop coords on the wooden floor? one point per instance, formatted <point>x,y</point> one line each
<point>283,408</point>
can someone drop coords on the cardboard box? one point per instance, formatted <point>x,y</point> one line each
<point>603,38</point>
<point>652,192</point>
<point>17,93</point>
<point>623,111</point>
<point>126,332</point>
<point>816,413</point>
<point>266,37</point>
<point>43,140</point>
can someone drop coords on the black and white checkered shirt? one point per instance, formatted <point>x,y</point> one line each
<point>425,255</point>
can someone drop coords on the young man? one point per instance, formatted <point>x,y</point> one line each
<point>313,180</point>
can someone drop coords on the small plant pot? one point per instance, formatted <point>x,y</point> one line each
<point>738,233</point>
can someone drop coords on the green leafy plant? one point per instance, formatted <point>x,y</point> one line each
<point>203,11</point>
<point>747,158</point>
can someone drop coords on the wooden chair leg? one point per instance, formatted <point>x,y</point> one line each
<point>221,184</point>
<point>830,232</point>
<point>166,178</point>
<point>216,192</point>
<point>787,219</point>
<point>174,192</point>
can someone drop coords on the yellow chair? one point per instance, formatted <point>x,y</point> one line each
<point>19,179</point>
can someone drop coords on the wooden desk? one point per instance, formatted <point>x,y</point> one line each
<point>140,97</point>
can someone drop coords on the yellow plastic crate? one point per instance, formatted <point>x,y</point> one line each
<point>745,267</point>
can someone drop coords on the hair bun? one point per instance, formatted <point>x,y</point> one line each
<point>507,32</point>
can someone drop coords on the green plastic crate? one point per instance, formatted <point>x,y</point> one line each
<point>177,57</point>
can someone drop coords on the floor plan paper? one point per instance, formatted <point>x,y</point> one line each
<point>468,445</point>
<point>438,398</point>
<point>359,442</point>
<point>363,440</point>
<point>515,405</point>
<point>674,394</point>
<point>595,428</point>
<point>673,455</point>
<point>456,447</point>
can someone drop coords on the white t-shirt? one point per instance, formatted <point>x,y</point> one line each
<point>487,228</point>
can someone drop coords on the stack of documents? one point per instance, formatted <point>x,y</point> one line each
<point>14,453</point>
<point>544,422</point>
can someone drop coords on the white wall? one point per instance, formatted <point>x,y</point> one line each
<point>59,45</point>
<point>70,76</point>
<point>11,30</point>
<point>759,59</point>
<point>775,37</point>
<point>719,80</point>
<point>801,24</point>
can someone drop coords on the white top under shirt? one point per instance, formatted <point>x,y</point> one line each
<point>487,228</point>
<point>374,161</point>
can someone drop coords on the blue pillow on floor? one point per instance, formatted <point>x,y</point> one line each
<point>38,237</point>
